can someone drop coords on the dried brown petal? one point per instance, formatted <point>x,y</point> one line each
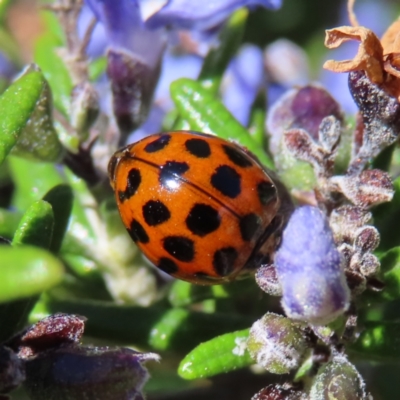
<point>50,332</point>
<point>345,221</point>
<point>370,188</point>
<point>369,57</point>
<point>300,143</point>
<point>329,133</point>
<point>366,239</point>
<point>267,279</point>
<point>369,265</point>
<point>390,40</point>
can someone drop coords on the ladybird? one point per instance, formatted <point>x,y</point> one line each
<point>202,209</point>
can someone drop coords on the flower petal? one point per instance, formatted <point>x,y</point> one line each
<point>368,58</point>
<point>201,14</point>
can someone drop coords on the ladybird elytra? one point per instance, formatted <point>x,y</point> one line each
<point>201,208</point>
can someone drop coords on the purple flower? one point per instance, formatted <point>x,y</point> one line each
<point>310,270</point>
<point>241,83</point>
<point>134,59</point>
<point>196,14</point>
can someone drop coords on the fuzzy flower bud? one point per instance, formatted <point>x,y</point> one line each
<point>309,269</point>
<point>338,380</point>
<point>276,343</point>
<point>76,372</point>
<point>279,392</point>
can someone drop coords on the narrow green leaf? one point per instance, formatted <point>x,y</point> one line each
<point>257,119</point>
<point>207,114</point>
<point>27,271</point>
<point>218,58</point>
<point>60,197</point>
<point>55,71</point>
<point>222,354</point>
<point>42,177</point>
<point>9,221</point>
<point>36,226</point>
<point>39,139</point>
<point>183,329</point>
<point>184,293</point>
<point>387,217</point>
<point>17,105</point>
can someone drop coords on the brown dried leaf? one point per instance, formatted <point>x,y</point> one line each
<point>368,189</point>
<point>390,40</point>
<point>351,14</point>
<point>368,58</point>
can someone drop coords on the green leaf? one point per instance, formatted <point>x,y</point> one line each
<point>17,105</point>
<point>390,270</point>
<point>222,354</point>
<point>27,271</point>
<point>36,226</point>
<point>386,220</point>
<point>9,221</point>
<point>207,114</point>
<point>183,329</point>
<point>184,293</point>
<point>379,341</point>
<point>218,58</point>
<point>55,71</point>
<point>38,139</point>
<point>257,119</point>
<point>42,177</point>
<point>60,197</point>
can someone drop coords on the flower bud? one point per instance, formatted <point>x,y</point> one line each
<point>279,392</point>
<point>303,108</point>
<point>267,280</point>
<point>276,343</point>
<point>338,380</point>
<point>346,220</point>
<point>84,108</point>
<point>309,268</point>
<point>132,83</point>
<point>74,372</point>
<point>370,188</point>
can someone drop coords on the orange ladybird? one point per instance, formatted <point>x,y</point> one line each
<point>201,208</point>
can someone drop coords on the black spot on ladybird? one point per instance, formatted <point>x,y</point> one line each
<point>167,265</point>
<point>155,212</point>
<point>227,181</point>
<point>179,247</point>
<point>266,192</point>
<point>249,225</point>
<point>237,157</point>
<point>198,148</point>
<point>203,219</point>
<point>223,260</point>
<point>170,173</point>
<point>133,182</point>
<point>137,232</point>
<point>158,144</point>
